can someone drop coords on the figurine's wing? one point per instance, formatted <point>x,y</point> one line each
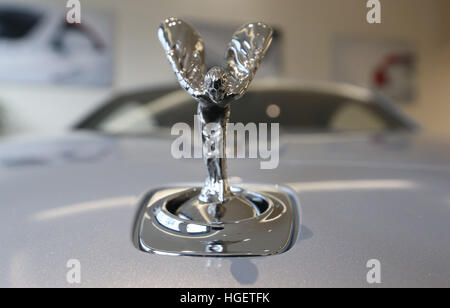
<point>244,55</point>
<point>186,53</point>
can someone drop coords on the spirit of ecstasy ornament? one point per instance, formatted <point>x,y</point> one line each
<point>216,220</point>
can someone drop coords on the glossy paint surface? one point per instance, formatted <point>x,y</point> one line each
<point>362,197</point>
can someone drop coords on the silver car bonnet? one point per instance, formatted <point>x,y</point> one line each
<point>362,197</point>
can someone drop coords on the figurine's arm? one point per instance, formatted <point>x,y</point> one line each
<point>244,55</point>
<point>186,53</point>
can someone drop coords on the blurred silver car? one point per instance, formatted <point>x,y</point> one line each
<point>37,44</point>
<point>371,187</point>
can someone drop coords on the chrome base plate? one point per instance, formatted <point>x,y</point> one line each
<point>257,221</point>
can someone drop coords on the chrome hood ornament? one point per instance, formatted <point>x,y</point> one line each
<point>216,220</point>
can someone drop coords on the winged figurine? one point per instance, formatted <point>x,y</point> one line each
<point>216,88</point>
<point>220,85</point>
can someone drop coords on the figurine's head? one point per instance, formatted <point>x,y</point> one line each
<point>215,84</point>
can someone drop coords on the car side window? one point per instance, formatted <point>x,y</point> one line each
<point>128,118</point>
<point>295,111</point>
<point>15,25</point>
<point>77,37</point>
<point>354,117</point>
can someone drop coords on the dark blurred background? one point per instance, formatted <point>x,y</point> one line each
<point>53,73</point>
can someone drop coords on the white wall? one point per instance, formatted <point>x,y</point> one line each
<point>309,27</point>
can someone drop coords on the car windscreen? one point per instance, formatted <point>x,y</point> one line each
<point>295,111</point>
<point>16,24</point>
